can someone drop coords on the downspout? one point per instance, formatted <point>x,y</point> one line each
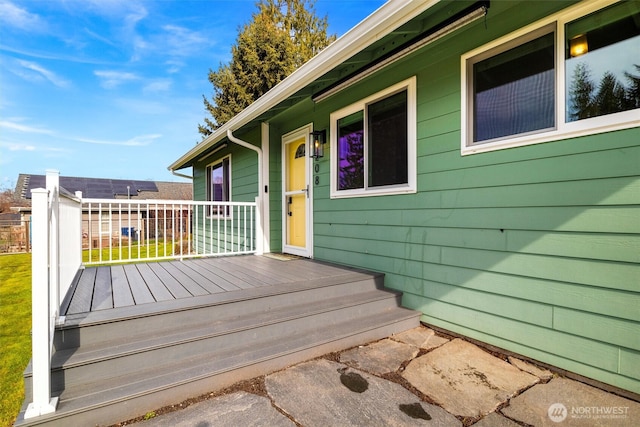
<point>259,224</point>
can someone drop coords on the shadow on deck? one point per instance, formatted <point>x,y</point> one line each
<point>141,336</point>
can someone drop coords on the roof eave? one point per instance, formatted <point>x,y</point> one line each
<point>376,26</point>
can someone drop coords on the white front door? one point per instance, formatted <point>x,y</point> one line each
<point>296,209</point>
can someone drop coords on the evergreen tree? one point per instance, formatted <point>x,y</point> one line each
<point>351,173</point>
<point>581,104</point>
<point>282,35</point>
<point>611,95</point>
<point>633,91</point>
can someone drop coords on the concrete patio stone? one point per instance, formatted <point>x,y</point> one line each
<point>543,374</point>
<point>237,409</point>
<point>379,357</point>
<point>496,420</point>
<point>323,393</point>
<point>564,402</point>
<point>465,380</point>
<point>421,337</point>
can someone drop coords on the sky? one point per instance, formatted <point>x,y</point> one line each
<point>113,88</point>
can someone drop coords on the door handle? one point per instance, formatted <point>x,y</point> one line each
<point>288,205</point>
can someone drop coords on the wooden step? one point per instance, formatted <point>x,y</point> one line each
<point>112,365</point>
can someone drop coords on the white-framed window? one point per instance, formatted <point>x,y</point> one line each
<point>105,222</point>
<point>571,74</point>
<point>219,185</point>
<point>373,144</point>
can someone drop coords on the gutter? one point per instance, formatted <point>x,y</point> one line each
<point>180,174</point>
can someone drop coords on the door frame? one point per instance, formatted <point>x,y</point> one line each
<point>303,131</point>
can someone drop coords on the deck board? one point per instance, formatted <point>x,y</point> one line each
<point>141,294</point>
<point>102,292</point>
<point>155,285</point>
<point>123,287</point>
<point>122,296</point>
<point>81,301</point>
<point>171,284</point>
<point>226,281</point>
<point>189,284</point>
<point>246,275</point>
<point>207,276</point>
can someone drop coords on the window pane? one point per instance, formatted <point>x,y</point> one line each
<point>351,151</point>
<point>387,125</point>
<point>514,91</point>
<point>602,62</point>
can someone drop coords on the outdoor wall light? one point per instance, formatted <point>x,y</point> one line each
<point>318,138</point>
<point>578,45</point>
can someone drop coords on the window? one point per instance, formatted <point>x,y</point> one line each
<point>219,185</point>
<point>568,75</point>
<point>373,144</point>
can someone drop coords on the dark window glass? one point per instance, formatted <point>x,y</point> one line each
<point>351,151</point>
<point>514,91</point>
<point>218,185</point>
<point>387,125</point>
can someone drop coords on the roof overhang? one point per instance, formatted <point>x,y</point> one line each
<point>379,24</point>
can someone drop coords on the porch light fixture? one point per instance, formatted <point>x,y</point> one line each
<point>465,17</point>
<point>318,138</point>
<point>578,45</point>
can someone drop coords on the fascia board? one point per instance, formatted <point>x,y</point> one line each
<point>379,24</point>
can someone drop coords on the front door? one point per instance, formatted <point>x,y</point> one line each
<point>296,203</point>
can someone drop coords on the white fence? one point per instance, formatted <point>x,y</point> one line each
<point>142,230</point>
<point>69,231</point>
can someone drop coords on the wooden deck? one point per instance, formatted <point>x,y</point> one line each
<point>119,286</point>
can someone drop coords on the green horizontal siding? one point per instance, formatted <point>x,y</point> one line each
<point>534,249</point>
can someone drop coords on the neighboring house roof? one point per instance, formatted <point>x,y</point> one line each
<point>10,219</point>
<point>394,25</point>
<point>104,188</point>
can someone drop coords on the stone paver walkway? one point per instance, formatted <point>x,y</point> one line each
<point>461,384</point>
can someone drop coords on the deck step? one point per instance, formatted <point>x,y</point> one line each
<point>136,360</point>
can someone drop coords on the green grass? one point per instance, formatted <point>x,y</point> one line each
<point>15,332</point>
<point>150,250</point>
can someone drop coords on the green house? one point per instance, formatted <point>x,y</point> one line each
<point>484,155</point>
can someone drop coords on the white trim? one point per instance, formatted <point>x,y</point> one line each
<point>379,24</point>
<point>266,217</point>
<point>409,85</point>
<point>307,251</point>
<point>562,129</point>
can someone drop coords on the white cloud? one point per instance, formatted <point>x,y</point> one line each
<point>158,85</point>
<point>136,141</point>
<point>14,146</point>
<point>113,79</point>
<point>181,41</point>
<point>16,126</point>
<point>36,72</point>
<point>14,16</point>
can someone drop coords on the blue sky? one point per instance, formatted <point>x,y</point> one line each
<point>113,88</point>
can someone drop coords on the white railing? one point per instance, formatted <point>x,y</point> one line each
<point>56,258</point>
<point>68,229</point>
<point>143,230</point>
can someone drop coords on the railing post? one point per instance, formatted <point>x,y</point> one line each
<point>53,187</point>
<point>259,229</point>
<point>40,300</point>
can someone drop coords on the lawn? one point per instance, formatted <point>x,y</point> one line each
<point>15,338</point>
